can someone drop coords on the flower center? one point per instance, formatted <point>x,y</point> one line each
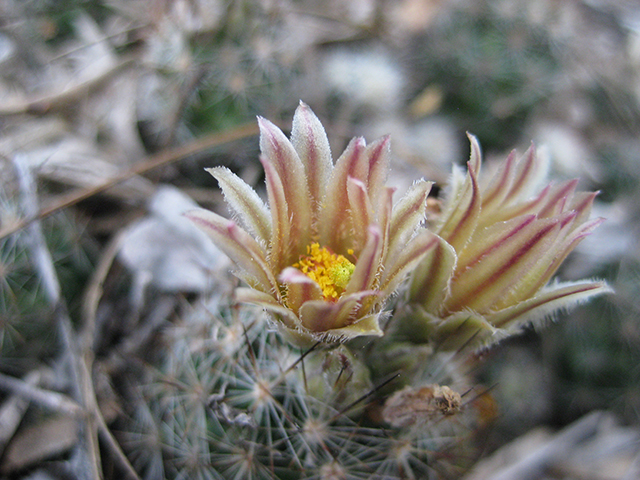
<point>332,272</point>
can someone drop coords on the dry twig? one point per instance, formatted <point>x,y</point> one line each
<point>46,103</point>
<point>87,339</point>
<point>46,398</point>
<point>163,158</point>
<point>87,452</point>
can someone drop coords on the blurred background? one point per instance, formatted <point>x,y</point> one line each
<point>110,111</point>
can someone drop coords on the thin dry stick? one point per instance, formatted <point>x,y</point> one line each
<point>121,355</point>
<point>46,398</point>
<point>63,98</point>
<point>87,338</point>
<point>43,263</point>
<point>154,161</point>
<point>13,409</point>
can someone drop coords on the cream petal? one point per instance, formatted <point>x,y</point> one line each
<point>531,170</point>
<point>558,296</point>
<point>493,239</point>
<point>561,251</point>
<point>321,316</point>
<point>464,330</point>
<point>269,303</point>
<point>507,211</point>
<point>408,213</point>
<point>309,139</point>
<point>368,265</point>
<point>335,226</point>
<point>475,156</point>
<point>377,155</point>
<point>430,281</point>
<point>280,153</point>
<point>482,286</point>
<point>279,244</point>
<point>582,203</point>
<point>360,212</point>
<point>245,202</point>
<point>405,259</point>
<point>528,284</point>
<point>494,194</point>
<point>368,325</point>
<point>461,213</point>
<point>558,199</point>
<point>239,246</point>
<point>551,201</point>
<point>383,214</point>
<point>300,288</point>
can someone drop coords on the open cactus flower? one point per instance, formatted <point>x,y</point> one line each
<point>330,246</point>
<point>502,241</point>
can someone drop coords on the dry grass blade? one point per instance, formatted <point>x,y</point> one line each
<point>154,161</point>
<point>81,384</point>
<point>52,400</point>
<point>57,100</point>
<point>12,411</point>
<point>86,337</point>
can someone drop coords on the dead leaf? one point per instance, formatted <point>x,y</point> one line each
<point>410,406</point>
<point>47,439</point>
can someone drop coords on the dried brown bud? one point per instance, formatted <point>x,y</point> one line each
<point>409,406</point>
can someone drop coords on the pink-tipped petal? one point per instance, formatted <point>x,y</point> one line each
<point>431,279</point>
<point>321,316</point>
<point>529,282</point>
<point>531,170</point>
<point>300,288</point>
<point>368,264</point>
<point>269,303</point>
<point>492,239</point>
<point>377,155</point>
<point>562,251</point>
<point>559,296</point>
<point>494,194</point>
<point>558,199</point>
<point>309,139</point>
<point>279,152</point>
<point>460,217</point>
<point>475,156</point>
<point>406,258</point>
<point>582,203</point>
<point>279,244</point>
<point>334,224</point>
<point>360,211</point>
<point>484,285</point>
<point>239,246</point>
<point>245,202</point>
<point>408,213</point>
<point>508,211</point>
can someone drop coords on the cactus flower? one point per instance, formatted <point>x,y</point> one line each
<point>330,246</point>
<point>502,241</point>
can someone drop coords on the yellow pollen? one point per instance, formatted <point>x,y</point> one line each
<point>332,272</point>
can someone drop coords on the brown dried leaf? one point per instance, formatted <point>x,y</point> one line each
<point>47,439</point>
<point>409,406</point>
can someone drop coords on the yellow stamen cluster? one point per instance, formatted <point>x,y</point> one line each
<point>332,272</point>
